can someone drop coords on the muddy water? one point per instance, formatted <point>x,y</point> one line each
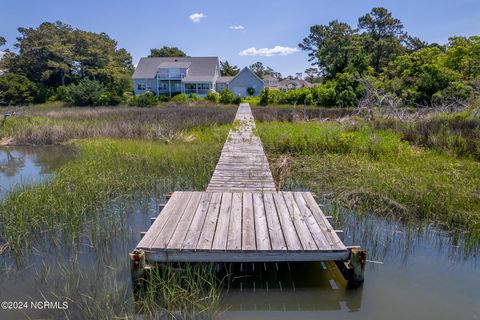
<point>413,273</point>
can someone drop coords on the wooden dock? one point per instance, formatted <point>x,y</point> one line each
<point>241,217</point>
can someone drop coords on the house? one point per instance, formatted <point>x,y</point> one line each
<point>294,84</point>
<point>270,81</point>
<point>200,75</point>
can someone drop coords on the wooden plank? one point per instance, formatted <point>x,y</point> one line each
<point>308,243</point>
<point>157,226</point>
<point>193,233</point>
<point>328,231</point>
<point>248,223</point>
<point>288,228</point>
<point>171,224</point>
<point>208,231</point>
<point>244,256</point>
<point>235,229</point>
<point>315,230</point>
<point>184,224</point>
<point>274,229</point>
<point>221,232</point>
<point>261,227</point>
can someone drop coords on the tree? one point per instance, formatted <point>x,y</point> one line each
<point>167,52</point>
<point>260,70</point>
<point>313,75</point>
<point>228,70</point>
<point>16,89</point>
<point>383,35</point>
<point>3,41</point>
<point>331,47</point>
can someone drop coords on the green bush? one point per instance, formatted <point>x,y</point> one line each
<point>144,100</point>
<point>265,98</point>
<point>87,93</point>
<point>181,97</point>
<point>164,98</point>
<point>16,89</point>
<point>237,100</point>
<point>250,91</point>
<point>193,97</point>
<point>213,97</point>
<point>226,96</point>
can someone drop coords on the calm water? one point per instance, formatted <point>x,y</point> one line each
<point>23,165</point>
<point>413,273</point>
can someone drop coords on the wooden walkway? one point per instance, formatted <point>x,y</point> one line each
<point>243,165</point>
<point>242,217</point>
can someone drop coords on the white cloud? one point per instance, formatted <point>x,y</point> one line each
<point>238,27</point>
<point>268,52</point>
<point>196,17</point>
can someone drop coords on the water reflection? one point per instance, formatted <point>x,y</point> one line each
<point>23,165</point>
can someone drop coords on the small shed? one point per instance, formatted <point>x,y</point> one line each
<point>243,80</point>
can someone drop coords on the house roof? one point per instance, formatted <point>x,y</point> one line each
<point>296,82</point>
<point>269,77</point>
<point>201,68</point>
<point>224,79</point>
<point>174,64</point>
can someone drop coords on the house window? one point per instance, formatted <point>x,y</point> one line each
<point>141,86</point>
<point>162,87</point>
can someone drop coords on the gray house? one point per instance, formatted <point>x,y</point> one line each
<point>199,75</point>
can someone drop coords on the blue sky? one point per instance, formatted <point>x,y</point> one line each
<point>141,25</point>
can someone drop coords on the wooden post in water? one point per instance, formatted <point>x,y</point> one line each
<point>353,268</point>
<point>137,267</point>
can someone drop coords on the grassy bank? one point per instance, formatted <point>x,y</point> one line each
<point>106,169</point>
<point>358,165</point>
<point>36,126</point>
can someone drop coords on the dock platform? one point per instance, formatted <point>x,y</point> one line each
<point>241,217</point>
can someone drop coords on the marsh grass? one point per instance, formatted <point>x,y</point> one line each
<point>107,169</point>
<point>359,166</point>
<point>183,291</point>
<point>286,113</point>
<point>55,126</point>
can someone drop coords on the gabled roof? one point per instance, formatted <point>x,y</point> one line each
<point>199,68</point>
<point>269,77</point>
<point>224,79</point>
<point>297,82</point>
<point>247,69</point>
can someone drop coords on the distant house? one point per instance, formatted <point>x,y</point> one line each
<point>294,84</point>
<point>270,82</point>
<point>199,75</point>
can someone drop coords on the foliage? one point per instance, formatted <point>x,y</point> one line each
<point>228,70</point>
<point>226,96</point>
<point>212,96</point>
<point>260,70</point>
<point>193,97</point>
<point>181,97</point>
<point>250,91</point>
<point>147,99</point>
<point>87,93</point>
<point>359,166</point>
<point>16,89</point>
<point>167,52</point>
<point>55,54</point>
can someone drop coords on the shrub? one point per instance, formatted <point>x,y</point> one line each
<point>212,96</point>
<point>265,97</point>
<point>144,100</point>
<point>87,93</point>
<point>193,97</point>
<point>226,96</point>
<point>181,97</point>
<point>251,91</point>
<point>16,89</point>
<point>164,98</point>
<point>237,100</point>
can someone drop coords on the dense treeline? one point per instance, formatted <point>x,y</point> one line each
<point>379,54</point>
<point>56,62</point>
